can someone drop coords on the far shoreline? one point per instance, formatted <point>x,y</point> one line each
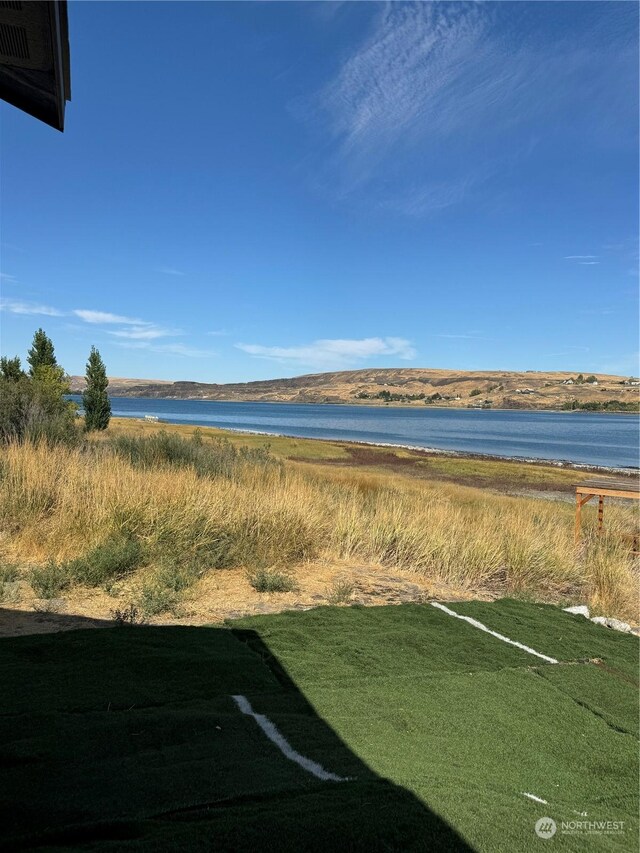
<point>425,451</point>
<point>369,405</point>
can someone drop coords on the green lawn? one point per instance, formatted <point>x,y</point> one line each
<point>129,738</point>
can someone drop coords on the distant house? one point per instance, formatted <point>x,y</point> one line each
<point>568,382</point>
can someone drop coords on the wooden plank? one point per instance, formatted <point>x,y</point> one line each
<point>629,485</point>
<point>613,493</point>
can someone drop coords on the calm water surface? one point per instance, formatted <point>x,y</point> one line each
<point>594,439</point>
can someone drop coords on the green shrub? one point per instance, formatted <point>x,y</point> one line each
<point>475,392</point>
<point>129,615</point>
<point>113,559</point>
<point>8,573</point>
<point>163,590</point>
<point>340,592</point>
<point>35,406</point>
<point>155,598</point>
<point>270,580</point>
<point>50,580</point>
<point>174,577</point>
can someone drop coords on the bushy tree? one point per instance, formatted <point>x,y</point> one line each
<point>11,369</point>
<point>16,396</point>
<point>97,408</point>
<point>41,353</point>
<point>34,406</point>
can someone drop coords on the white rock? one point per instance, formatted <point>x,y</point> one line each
<point>578,609</point>
<point>609,622</point>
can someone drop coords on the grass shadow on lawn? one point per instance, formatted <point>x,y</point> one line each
<point>128,738</point>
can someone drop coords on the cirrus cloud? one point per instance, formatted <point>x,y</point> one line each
<point>145,333</point>
<point>105,317</point>
<point>333,353</point>
<point>14,306</point>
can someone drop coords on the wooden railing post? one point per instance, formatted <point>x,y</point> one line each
<point>600,513</point>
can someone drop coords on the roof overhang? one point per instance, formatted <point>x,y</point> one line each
<point>34,58</point>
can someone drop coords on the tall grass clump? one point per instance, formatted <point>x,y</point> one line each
<point>50,580</point>
<point>8,573</point>
<point>8,576</point>
<point>612,578</point>
<point>217,458</point>
<point>111,560</point>
<point>271,580</point>
<point>163,589</point>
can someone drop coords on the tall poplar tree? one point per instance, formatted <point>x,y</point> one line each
<point>97,407</point>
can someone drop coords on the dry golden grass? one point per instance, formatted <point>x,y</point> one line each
<point>59,503</point>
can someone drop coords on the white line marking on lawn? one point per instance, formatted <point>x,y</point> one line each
<point>482,627</point>
<point>533,797</point>
<point>283,744</point>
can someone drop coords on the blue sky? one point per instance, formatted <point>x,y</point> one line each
<point>245,191</point>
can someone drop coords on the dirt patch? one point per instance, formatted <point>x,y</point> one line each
<point>227,594</point>
<point>416,464</point>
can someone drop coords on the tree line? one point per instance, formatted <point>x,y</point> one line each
<point>602,406</point>
<point>34,403</point>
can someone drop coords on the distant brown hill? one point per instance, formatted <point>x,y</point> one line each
<point>452,388</point>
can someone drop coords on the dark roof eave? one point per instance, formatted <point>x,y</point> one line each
<point>39,91</point>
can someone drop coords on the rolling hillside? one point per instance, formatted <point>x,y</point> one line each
<point>410,386</point>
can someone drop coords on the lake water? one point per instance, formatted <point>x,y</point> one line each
<point>593,439</point>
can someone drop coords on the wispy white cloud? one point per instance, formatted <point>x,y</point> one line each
<point>400,76</point>
<point>430,197</point>
<point>132,329</point>
<point>336,353</point>
<point>10,279</point>
<point>170,271</point>
<point>170,349</point>
<point>415,115</point>
<point>627,364</point>
<point>187,351</point>
<point>105,318</point>
<point>145,333</point>
<point>583,260</point>
<point>219,333</point>
<point>569,351</point>
<point>466,337</point>
<point>16,307</point>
